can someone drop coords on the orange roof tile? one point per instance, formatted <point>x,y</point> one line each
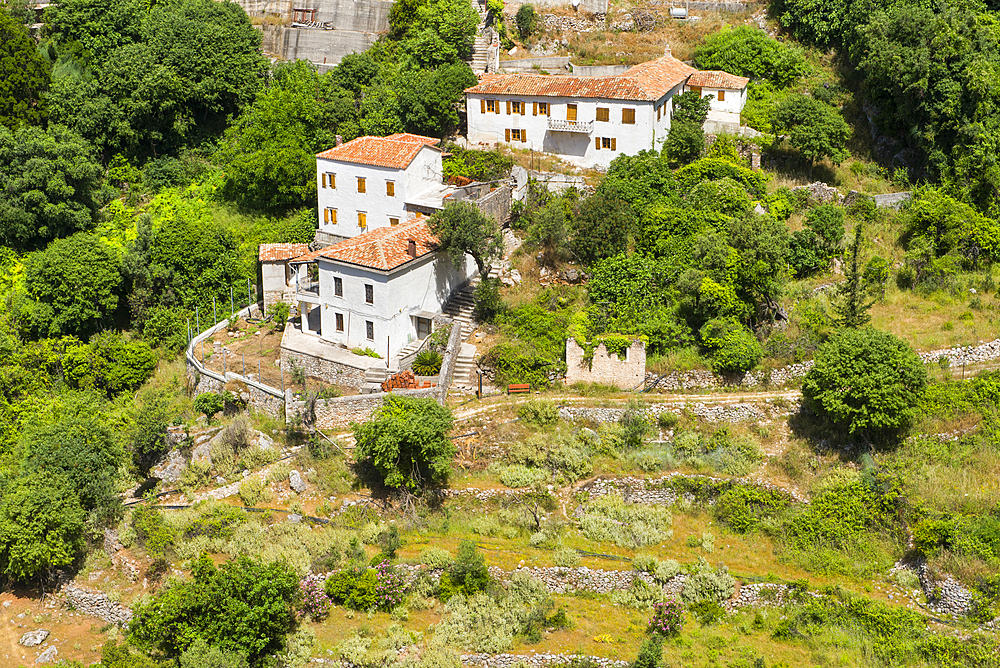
<point>718,79</point>
<point>279,252</point>
<point>397,151</point>
<point>385,248</point>
<point>646,82</point>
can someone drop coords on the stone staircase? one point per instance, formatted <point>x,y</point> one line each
<point>459,308</point>
<point>374,377</point>
<point>464,376</point>
<point>479,62</point>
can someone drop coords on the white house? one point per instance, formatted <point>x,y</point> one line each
<point>590,121</point>
<point>371,183</point>
<point>378,290</point>
<point>276,277</point>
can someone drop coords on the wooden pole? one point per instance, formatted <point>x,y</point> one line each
<point>232,307</point>
<point>215,315</point>
<point>244,363</point>
<point>249,299</point>
<point>197,319</point>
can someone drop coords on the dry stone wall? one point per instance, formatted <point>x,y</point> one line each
<point>97,604</point>
<point>340,412</point>
<point>332,372</point>
<point>606,368</point>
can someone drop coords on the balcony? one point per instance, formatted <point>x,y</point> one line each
<point>556,125</point>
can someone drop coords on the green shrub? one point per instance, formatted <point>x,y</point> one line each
<point>539,412</point>
<point>209,403</point>
<point>436,557</point>
<point>354,587</point>
<point>667,420</point>
<point>467,575</point>
<point>526,20</point>
<point>707,612</point>
<point>609,518</point>
<point>518,475</point>
<point>153,533</point>
<point>638,595</point>
<point>279,314</point>
<point>366,352</point>
<point>427,363</point>
<point>703,583</point>
<point>742,507</point>
<point>564,456</point>
<point>566,557</point>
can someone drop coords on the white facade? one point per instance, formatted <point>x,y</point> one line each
<point>725,100</point>
<point>355,197</point>
<point>545,124</point>
<point>418,289</point>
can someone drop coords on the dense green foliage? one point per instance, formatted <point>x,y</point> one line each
<point>866,382</point>
<point>748,52</point>
<point>406,442</point>
<point>463,229</point>
<point>24,75</point>
<point>242,606</point>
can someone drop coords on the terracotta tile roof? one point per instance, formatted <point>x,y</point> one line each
<point>279,252</point>
<point>646,82</point>
<point>718,79</point>
<point>384,248</point>
<point>397,151</point>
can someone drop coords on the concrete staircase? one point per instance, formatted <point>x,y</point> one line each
<point>374,377</point>
<point>460,308</point>
<point>464,376</point>
<point>481,46</point>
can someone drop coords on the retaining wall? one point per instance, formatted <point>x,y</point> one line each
<point>97,604</point>
<point>331,371</point>
<point>340,412</point>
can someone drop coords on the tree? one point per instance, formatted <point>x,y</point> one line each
<point>851,302</point>
<point>814,128</point>
<point>24,75</point>
<point>109,363</point>
<point>549,230</point>
<point>748,52</point>
<point>876,275</point>
<point>526,20</point>
<point>602,227</point>
<point>406,442</point>
<point>691,107</point>
<point>243,606</point>
<point>49,185</point>
<point>685,143</point>
<point>78,446</point>
<point>867,382</point>
<point>74,284</point>
<point>427,99</point>
<point>464,229</point>
<point>41,525</point>
<point>812,248</point>
<point>146,438</point>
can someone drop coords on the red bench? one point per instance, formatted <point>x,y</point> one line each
<point>518,389</point>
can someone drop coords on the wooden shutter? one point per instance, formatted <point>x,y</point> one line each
<point>362,219</point>
<point>506,135</point>
<point>482,105</point>
<point>597,143</point>
<point>534,108</point>
<point>508,107</point>
<point>614,143</point>
<point>524,135</point>
<point>361,184</point>
<point>524,107</point>
<point>496,107</point>
<point>326,215</point>
<point>324,180</point>
<point>333,216</point>
<point>390,189</point>
<point>333,180</point>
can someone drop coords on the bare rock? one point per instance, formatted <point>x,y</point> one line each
<point>296,482</point>
<point>171,467</point>
<point>32,638</point>
<point>48,656</point>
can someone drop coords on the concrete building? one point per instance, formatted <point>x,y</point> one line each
<point>378,290</point>
<point>276,277</point>
<point>371,183</point>
<point>590,121</point>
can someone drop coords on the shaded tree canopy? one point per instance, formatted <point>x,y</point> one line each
<point>24,75</point>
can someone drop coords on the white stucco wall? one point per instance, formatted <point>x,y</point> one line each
<point>734,102</point>
<point>424,285</point>
<point>274,278</point>
<point>576,147</point>
<point>424,171</point>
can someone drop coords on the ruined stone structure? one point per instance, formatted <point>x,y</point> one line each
<point>606,368</point>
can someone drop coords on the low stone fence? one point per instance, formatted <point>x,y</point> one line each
<point>270,400</point>
<point>580,578</point>
<point>536,660</point>
<point>654,491</point>
<point>340,412</point>
<point>331,371</point>
<point>97,604</point>
<point>714,412</point>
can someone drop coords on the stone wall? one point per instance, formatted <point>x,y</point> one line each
<point>448,361</point>
<point>339,412</point>
<point>607,368</point>
<point>97,604</point>
<point>496,204</point>
<point>332,372</point>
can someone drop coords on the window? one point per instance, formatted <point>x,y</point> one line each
<point>330,215</point>
<point>540,108</point>
<point>329,180</point>
<point>570,112</point>
<point>393,222</point>
<point>340,322</point>
<point>602,114</point>
<point>390,189</point>
<point>722,96</point>
<point>361,184</point>
<point>658,109</point>
<point>369,294</point>
<point>628,116</point>
<point>516,134</point>
<point>606,143</point>
<point>370,330</point>
<point>338,286</point>
<point>696,89</point>
<point>362,219</point>
<point>491,107</point>
<point>517,107</point>
<point>303,15</point>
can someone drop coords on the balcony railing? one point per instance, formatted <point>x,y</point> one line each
<point>557,125</point>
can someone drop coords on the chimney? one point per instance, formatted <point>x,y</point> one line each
<point>340,140</point>
<point>411,248</point>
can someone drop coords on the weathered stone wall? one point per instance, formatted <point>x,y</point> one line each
<point>328,370</point>
<point>496,204</point>
<point>340,412</point>
<point>97,604</point>
<point>607,368</point>
<point>448,361</point>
